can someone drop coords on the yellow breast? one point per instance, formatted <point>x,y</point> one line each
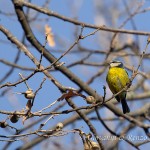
<point>117,79</point>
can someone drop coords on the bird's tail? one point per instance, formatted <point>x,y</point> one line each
<point>125,107</point>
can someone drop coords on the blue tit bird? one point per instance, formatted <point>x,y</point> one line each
<point>117,78</point>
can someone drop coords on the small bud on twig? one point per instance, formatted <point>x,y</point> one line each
<point>95,145</point>
<point>90,100</point>
<point>29,94</point>
<point>3,124</point>
<point>14,118</point>
<point>59,126</point>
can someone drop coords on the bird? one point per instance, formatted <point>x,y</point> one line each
<point>117,78</point>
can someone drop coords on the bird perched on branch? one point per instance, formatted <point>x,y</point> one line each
<point>117,78</point>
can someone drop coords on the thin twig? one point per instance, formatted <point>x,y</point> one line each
<point>70,48</point>
<point>24,81</point>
